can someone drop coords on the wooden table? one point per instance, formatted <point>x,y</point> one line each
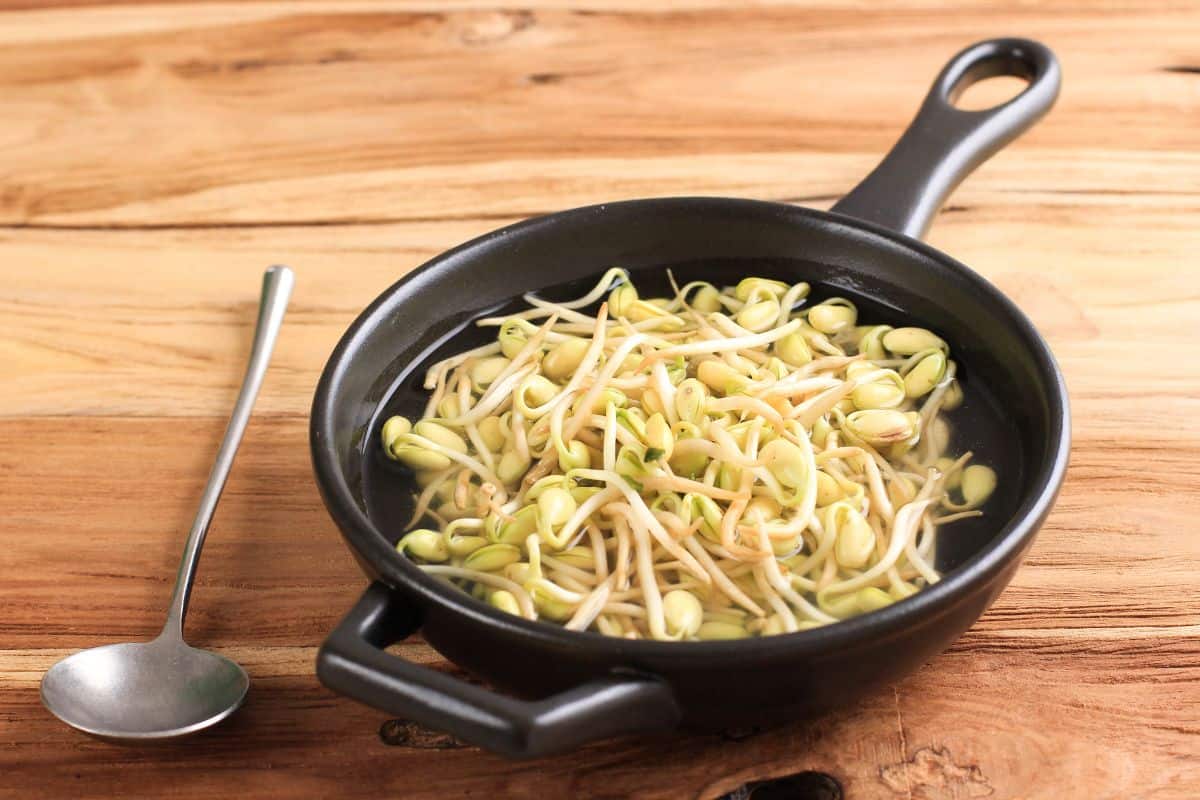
<point>156,157</point>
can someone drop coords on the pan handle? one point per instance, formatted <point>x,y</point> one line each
<point>943,144</point>
<point>353,662</point>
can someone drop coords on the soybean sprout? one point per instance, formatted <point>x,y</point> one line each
<point>722,463</point>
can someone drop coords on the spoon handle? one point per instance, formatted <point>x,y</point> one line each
<point>276,290</point>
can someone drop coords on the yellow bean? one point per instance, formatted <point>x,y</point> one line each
<point>786,462</point>
<point>855,542</point>
<point>880,426</point>
<point>978,483</point>
<point>690,400</point>
<point>512,467</point>
<point>535,390</point>
<point>871,344</point>
<point>576,456</point>
<point>564,358</point>
<point>776,367</point>
<point>909,341</point>
<point>726,614</point>
<point>758,287</point>
<point>828,490</point>
<point>419,458</point>
<point>393,429</point>
<point>521,572</point>
<point>706,300</point>
<point>759,316</point>
<point>858,369</point>
<point>721,378</point>
<point>448,407</point>
<point>842,606</point>
<point>541,485</point>
<point>513,336</point>
<point>707,508</point>
<point>887,392</point>
<point>642,310</point>
<point>763,508</point>
<point>614,396</point>
<point>793,349</point>
<point>440,434</point>
<point>658,437</point>
<point>683,613</point>
<point>729,478</point>
<point>463,546</point>
<point>492,432</point>
<point>547,604</point>
<point>517,530</point>
<point>493,557</point>
<point>832,316</point>
<point>505,601</point>
<point>872,599</point>
<point>584,493</point>
<point>621,299</point>
<point>484,371</point>
<point>651,402</point>
<point>820,432</point>
<point>630,464</point>
<point>425,544</point>
<point>555,506</point>
<point>717,631</point>
<point>927,374</point>
<point>785,548</point>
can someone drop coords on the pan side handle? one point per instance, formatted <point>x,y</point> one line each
<point>354,661</point>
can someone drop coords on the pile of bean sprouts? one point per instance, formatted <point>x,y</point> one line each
<point>724,463</point>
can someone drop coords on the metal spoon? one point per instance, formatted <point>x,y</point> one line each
<point>164,688</point>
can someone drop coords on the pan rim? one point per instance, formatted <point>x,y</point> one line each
<point>926,606</point>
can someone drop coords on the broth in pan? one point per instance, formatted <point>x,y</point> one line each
<point>691,454</point>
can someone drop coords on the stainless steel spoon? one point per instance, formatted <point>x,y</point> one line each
<point>163,688</point>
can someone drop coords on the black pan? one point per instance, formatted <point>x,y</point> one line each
<point>586,686</point>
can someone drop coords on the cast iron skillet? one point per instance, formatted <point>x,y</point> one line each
<point>587,686</point>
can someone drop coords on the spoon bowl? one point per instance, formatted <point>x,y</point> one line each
<point>151,690</point>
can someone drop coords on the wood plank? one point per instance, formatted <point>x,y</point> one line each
<point>390,90</point>
<point>982,720</point>
<point>82,308</point>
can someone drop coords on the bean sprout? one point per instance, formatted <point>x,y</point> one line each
<point>723,463</point>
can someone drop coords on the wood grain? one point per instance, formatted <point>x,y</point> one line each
<point>154,157</point>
